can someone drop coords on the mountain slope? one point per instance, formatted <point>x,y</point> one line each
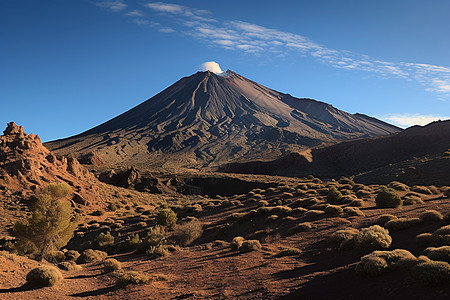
<point>208,119</point>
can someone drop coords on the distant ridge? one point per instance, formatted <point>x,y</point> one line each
<point>206,120</point>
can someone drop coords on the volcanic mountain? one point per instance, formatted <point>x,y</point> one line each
<point>209,119</point>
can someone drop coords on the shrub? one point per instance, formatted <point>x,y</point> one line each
<point>166,217</point>
<point>314,213</point>
<point>379,262</point>
<point>431,215</point>
<point>333,195</point>
<point>383,219</point>
<point>249,245</point>
<point>424,239</point>
<point>52,221</point>
<point>301,227</point>
<point>187,233</point>
<point>344,238</point>
<point>441,236</point>
<point>55,256</point>
<point>353,211</point>
<point>104,239</point>
<point>44,276</point>
<point>68,266</point>
<point>112,206</point>
<point>333,210</point>
<point>111,265</point>
<point>131,277</point>
<point>412,200</point>
<point>131,242</point>
<point>432,273</point>
<point>281,209</point>
<point>388,198</point>
<point>157,251</point>
<point>439,253</point>
<point>289,251</point>
<point>421,190</point>
<point>398,186</point>
<point>90,255</point>
<point>237,242</point>
<point>373,238</point>
<point>72,255</point>
<point>402,223</point>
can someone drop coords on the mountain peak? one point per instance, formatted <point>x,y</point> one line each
<point>208,119</point>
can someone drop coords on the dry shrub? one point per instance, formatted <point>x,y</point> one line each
<point>289,251</point>
<point>314,213</point>
<point>373,238</point>
<point>421,190</point>
<point>333,210</point>
<point>131,277</point>
<point>272,218</point>
<point>90,255</point>
<point>281,209</point>
<point>353,211</point>
<point>111,265</point>
<point>424,239</point>
<point>157,251</point>
<point>300,227</point>
<point>441,236</point>
<point>431,216</point>
<point>439,253</point>
<point>388,198</point>
<point>379,262</point>
<point>263,203</point>
<point>299,210</point>
<point>44,276</point>
<point>344,238</point>
<point>55,256</point>
<point>402,223</point>
<point>250,245</point>
<point>383,219</point>
<point>72,255</point>
<point>432,273</point>
<point>398,186</point>
<point>186,233</point>
<point>412,200</point>
<point>68,266</point>
<point>237,242</point>
<point>104,239</point>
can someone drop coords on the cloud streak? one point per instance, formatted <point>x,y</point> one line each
<point>258,40</point>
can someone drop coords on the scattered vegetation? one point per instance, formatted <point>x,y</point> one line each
<point>166,217</point>
<point>379,262</point>
<point>111,265</point>
<point>186,233</point>
<point>90,255</point>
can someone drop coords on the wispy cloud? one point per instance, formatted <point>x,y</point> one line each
<point>112,5</point>
<point>134,13</point>
<point>257,40</point>
<point>407,120</point>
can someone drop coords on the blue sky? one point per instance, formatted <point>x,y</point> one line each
<point>66,66</point>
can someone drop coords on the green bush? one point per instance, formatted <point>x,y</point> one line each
<point>52,221</point>
<point>166,217</point>
<point>387,198</point>
<point>111,265</point>
<point>373,238</point>
<point>44,276</point>
<point>104,239</point>
<point>432,273</point>
<point>187,233</point>
<point>333,195</point>
<point>379,262</point>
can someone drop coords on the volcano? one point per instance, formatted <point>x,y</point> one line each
<point>208,119</point>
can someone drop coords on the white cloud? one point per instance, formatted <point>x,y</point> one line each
<point>166,30</point>
<point>134,13</point>
<point>407,120</point>
<point>112,5</point>
<point>211,66</point>
<point>166,7</point>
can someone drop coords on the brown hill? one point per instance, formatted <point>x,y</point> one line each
<point>376,159</point>
<point>205,120</point>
